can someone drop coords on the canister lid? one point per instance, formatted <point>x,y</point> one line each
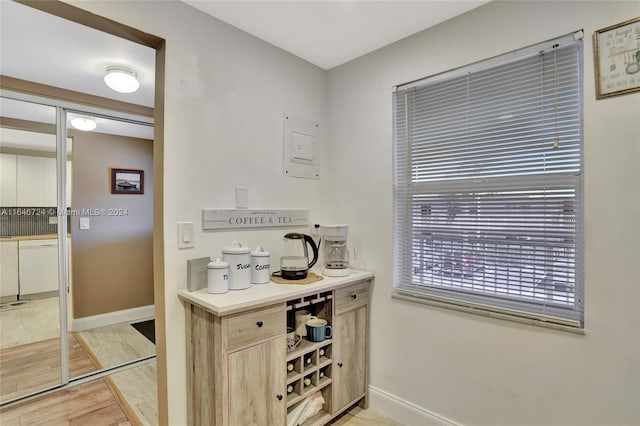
<point>259,252</point>
<point>217,264</point>
<point>236,247</point>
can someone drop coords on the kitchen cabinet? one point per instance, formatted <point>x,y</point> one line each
<point>8,164</point>
<point>349,352</point>
<point>38,270</point>
<point>256,385</point>
<point>35,182</point>
<point>8,271</point>
<point>239,370</point>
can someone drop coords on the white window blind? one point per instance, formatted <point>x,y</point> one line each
<point>488,185</point>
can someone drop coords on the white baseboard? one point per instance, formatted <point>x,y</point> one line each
<point>127,315</point>
<point>404,411</point>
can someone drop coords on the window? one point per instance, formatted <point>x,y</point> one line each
<point>488,186</point>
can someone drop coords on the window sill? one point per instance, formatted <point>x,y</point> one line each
<point>524,318</point>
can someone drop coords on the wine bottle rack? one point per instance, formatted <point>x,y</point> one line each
<point>305,364</point>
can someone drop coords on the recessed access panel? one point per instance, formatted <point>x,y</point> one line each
<point>300,148</point>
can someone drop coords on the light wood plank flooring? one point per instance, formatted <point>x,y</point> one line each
<point>138,389</point>
<point>91,403</point>
<point>35,366</point>
<point>359,417</point>
<point>116,344</point>
<point>30,322</point>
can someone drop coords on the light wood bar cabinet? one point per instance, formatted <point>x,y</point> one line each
<point>239,371</point>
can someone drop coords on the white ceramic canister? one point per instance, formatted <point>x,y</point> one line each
<point>239,259</point>
<point>260,266</point>
<point>218,277</point>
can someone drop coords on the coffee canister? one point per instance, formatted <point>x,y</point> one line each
<point>260,266</point>
<point>239,259</point>
<point>218,277</point>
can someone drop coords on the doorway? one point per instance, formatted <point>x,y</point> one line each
<point>89,20</point>
<point>47,340</point>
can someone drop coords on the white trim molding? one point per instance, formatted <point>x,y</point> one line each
<point>404,411</point>
<point>127,315</point>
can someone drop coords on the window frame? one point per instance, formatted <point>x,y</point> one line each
<point>478,303</point>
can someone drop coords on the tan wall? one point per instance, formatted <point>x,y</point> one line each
<point>112,262</point>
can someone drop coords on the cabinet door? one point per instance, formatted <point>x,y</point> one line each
<point>36,181</point>
<point>9,269</point>
<point>349,357</point>
<point>8,180</point>
<point>257,384</point>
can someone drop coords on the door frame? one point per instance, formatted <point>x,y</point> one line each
<point>83,17</point>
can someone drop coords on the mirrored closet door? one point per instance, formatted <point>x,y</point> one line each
<point>76,219</point>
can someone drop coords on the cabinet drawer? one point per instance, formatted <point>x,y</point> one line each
<point>256,325</point>
<point>351,297</point>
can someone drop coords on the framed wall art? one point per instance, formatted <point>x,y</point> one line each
<point>127,181</point>
<point>617,59</point>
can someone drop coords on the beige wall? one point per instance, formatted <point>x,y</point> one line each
<point>112,262</point>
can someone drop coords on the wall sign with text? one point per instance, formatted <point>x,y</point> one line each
<point>617,59</point>
<point>243,218</point>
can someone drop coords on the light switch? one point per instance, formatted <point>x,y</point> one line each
<point>84,223</point>
<point>242,197</point>
<point>185,235</point>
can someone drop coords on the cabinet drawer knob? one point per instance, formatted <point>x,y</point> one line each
<point>259,323</point>
<point>279,397</point>
<point>353,296</point>
<point>340,364</point>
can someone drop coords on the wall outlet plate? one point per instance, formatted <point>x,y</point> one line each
<point>197,277</point>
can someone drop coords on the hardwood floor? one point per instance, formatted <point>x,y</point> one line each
<point>135,388</point>
<point>30,322</point>
<point>359,417</point>
<point>91,403</point>
<point>138,389</point>
<point>35,366</point>
<point>116,344</point>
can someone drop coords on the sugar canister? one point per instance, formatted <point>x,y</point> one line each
<point>218,277</point>
<point>260,266</point>
<point>239,259</point>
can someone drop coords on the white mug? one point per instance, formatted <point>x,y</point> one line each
<point>301,322</point>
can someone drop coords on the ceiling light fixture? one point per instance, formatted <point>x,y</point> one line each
<point>83,123</point>
<point>121,79</point>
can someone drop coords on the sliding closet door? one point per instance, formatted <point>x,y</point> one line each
<point>112,240</point>
<point>33,351</point>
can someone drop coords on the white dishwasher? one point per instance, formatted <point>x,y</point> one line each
<point>38,266</point>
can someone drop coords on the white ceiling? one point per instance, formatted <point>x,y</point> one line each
<point>329,33</point>
<point>43,48</point>
<point>40,47</point>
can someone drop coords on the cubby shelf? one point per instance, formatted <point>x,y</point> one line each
<point>292,377</point>
<point>306,346</point>
<point>292,400</point>
<point>313,299</point>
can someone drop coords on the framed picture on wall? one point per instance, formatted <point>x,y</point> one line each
<point>127,181</point>
<point>617,59</point>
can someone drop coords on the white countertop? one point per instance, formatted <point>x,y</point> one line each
<point>263,294</point>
